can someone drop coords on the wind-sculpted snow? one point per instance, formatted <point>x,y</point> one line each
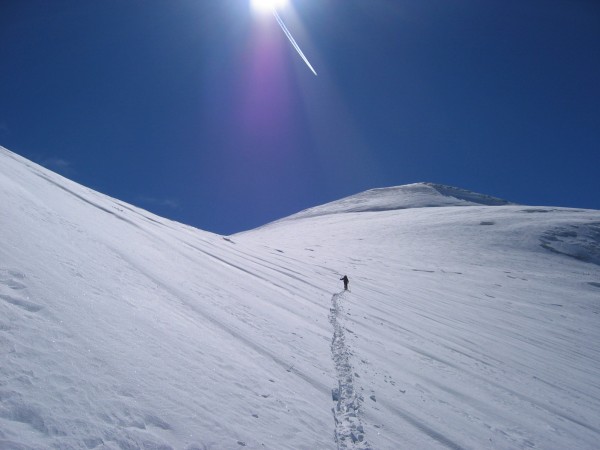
<point>464,328</point>
<point>468,196</point>
<point>580,241</point>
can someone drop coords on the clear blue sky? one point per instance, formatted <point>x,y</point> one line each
<point>202,111</point>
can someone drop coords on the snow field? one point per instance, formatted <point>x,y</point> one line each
<point>463,334</point>
<point>466,326</point>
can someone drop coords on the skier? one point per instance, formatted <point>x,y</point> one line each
<point>346,281</point>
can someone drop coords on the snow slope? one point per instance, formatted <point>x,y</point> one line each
<point>473,324</point>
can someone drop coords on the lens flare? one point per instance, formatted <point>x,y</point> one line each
<point>266,6</point>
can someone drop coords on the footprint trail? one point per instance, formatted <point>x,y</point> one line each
<point>349,432</point>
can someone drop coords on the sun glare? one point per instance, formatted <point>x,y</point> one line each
<point>266,6</point>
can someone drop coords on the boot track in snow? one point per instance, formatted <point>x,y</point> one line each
<point>349,433</point>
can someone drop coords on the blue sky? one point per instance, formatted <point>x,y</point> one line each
<point>202,111</point>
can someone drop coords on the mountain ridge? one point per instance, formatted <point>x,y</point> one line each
<point>415,195</point>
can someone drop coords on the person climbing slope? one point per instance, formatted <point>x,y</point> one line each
<point>346,281</point>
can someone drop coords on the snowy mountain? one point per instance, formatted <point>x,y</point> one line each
<point>465,327</point>
<point>418,195</point>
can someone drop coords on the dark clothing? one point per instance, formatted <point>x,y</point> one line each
<point>346,281</point>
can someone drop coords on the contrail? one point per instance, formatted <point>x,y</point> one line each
<point>292,40</point>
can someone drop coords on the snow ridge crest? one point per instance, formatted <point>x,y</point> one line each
<point>416,195</point>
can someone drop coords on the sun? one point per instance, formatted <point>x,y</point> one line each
<point>266,6</point>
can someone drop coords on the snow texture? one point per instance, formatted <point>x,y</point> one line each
<point>471,323</point>
<point>349,432</point>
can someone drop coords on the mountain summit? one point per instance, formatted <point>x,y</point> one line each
<point>472,327</point>
<point>417,195</point>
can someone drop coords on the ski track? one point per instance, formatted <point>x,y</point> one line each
<point>349,432</point>
<point>236,334</point>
